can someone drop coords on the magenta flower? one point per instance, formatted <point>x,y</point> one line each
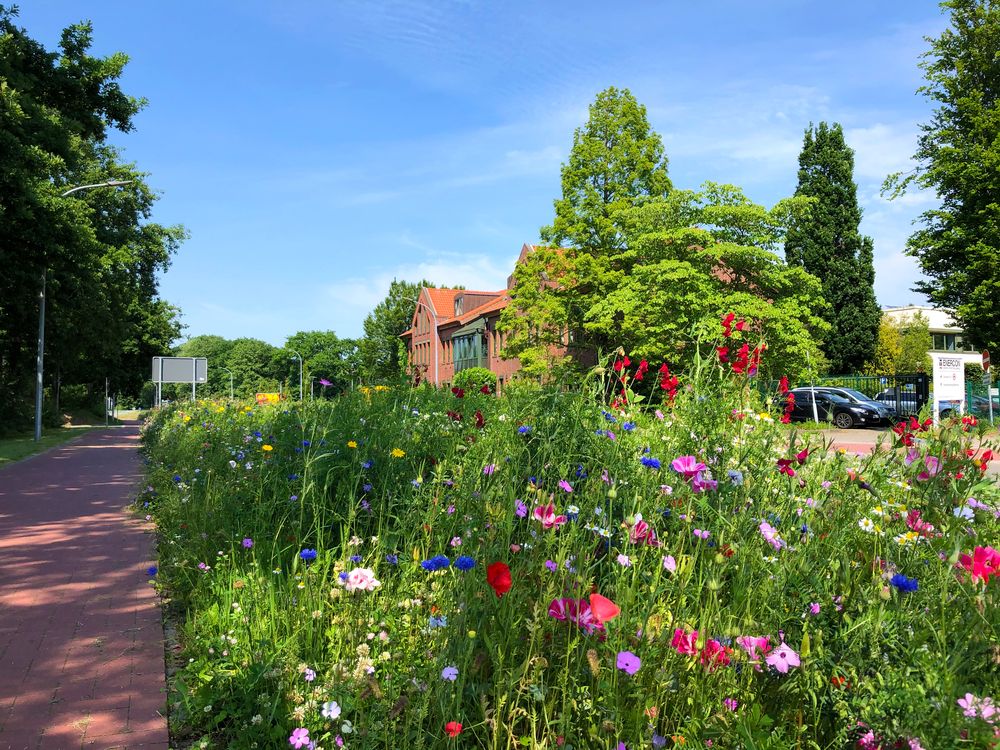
<point>685,643</point>
<point>565,486</point>
<point>628,662</point>
<point>750,644</point>
<point>783,658</point>
<point>325,383</point>
<point>670,564</point>
<point>299,738</point>
<point>489,469</point>
<point>547,515</point>
<point>520,509</point>
<point>771,535</point>
<point>689,466</point>
<point>700,484</point>
<point>731,703</point>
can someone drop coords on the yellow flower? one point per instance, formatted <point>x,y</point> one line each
<point>266,447</point>
<point>351,444</point>
<point>381,388</point>
<point>397,453</point>
<point>187,417</point>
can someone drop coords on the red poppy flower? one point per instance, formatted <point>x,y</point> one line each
<point>727,322</point>
<point>498,577</point>
<point>453,729</point>
<point>603,608</point>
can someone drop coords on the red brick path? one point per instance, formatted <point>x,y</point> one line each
<point>81,639</point>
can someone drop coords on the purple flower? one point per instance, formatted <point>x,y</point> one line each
<point>247,543</point>
<point>299,738</point>
<point>489,469</point>
<point>449,673</point>
<point>628,662</point>
<point>520,509</point>
<point>309,675</point>
<point>565,486</point>
<point>551,566</point>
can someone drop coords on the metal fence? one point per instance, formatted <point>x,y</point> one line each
<point>907,393</point>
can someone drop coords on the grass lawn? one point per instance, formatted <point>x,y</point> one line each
<point>21,446</point>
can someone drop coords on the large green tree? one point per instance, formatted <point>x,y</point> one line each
<point>381,351</point>
<point>325,357</point>
<point>616,160</point>
<point>98,251</point>
<point>827,244</point>
<point>958,156</point>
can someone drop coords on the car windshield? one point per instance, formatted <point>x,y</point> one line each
<point>837,399</point>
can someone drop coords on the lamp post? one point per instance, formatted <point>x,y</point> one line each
<point>299,357</point>
<point>40,363</point>
<point>230,381</point>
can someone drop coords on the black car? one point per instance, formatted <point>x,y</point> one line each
<point>887,410</point>
<point>845,414</point>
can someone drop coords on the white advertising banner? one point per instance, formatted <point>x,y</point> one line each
<point>949,384</point>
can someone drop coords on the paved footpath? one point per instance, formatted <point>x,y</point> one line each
<point>81,638</point>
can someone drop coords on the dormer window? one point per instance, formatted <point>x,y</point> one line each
<point>458,304</point>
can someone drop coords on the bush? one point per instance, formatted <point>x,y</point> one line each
<point>474,378</point>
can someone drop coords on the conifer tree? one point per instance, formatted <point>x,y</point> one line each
<point>828,245</point>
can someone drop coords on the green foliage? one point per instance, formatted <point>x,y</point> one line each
<point>616,161</point>
<point>474,378</point>
<point>327,357</point>
<point>669,286</point>
<point>957,155</point>
<point>914,343</point>
<point>385,479</point>
<point>827,244</point>
<point>382,351</point>
<point>98,250</point>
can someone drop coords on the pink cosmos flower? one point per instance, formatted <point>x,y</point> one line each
<point>700,484</point>
<point>771,535</point>
<point>565,486</point>
<point>911,455</point>
<point>685,643</point>
<point>670,564</point>
<point>983,563</point>
<point>783,658</point>
<point>933,464</point>
<point>641,532</point>
<point>576,611</point>
<point>547,515</point>
<point>689,466</point>
<point>714,655</point>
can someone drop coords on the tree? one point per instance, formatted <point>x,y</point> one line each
<point>616,161</point>
<point>827,244</point>
<point>688,259</point>
<point>327,357</point>
<point>99,253</point>
<point>902,346</point>
<point>257,367</point>
<point>957,155</point>
<point>381,351</point>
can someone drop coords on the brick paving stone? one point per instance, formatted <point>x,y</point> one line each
<point>81,638</point>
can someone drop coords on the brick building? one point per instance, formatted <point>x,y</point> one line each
<point>454,329</point>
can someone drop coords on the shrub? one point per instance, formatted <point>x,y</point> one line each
<point>474,378</point>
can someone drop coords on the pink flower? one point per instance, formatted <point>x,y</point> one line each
<point>299,738</point>
<point>628,662</point>
<point>685,643</point>
<point>700,484</point>
<point>565,486</point>
<point>714,655</point>
<point>782,658</point>
<point>983,563</point>
<point>624,561</point>
<point>641,532</point>
<point>933,465</point>
<point>670,564</point>
<point>689,466</point>
<point>576,611</point>
<point>361,579</point>
<point>750,644</point>
<point>814,608</point>
<point>547,515</point>
<point>731,703</point>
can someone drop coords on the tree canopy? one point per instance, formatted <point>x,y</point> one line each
<point>958,154</point>
<point>827,244</point>
<point>97,250</point>
<point>382,352</point>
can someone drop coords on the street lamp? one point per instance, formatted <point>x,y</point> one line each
<point>299,357</point>
<point>39,365</point>
<point>230,381</point>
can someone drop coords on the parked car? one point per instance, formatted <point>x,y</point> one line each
<point>980,407</point>
<point>905,402</point>
<point>845,414</point>
<point>886,410</point>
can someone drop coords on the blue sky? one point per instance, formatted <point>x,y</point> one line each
<point>316,150</point>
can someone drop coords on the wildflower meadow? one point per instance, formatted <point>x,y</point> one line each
<point>652,560</point>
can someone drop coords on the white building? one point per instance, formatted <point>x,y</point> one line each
<point>945,332</point>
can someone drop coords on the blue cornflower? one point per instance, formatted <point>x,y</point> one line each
<point>343,576</point>
<point>306,443</point>
<point>366,487</point>
<point>367,464</point>
<point>581,473</point>
<point>650,462</point>
<point>437,622</point>
<point>151,571</point>
<point>392,559</point>
<point>610,417</point>
<point>903,583</point>
<point>439,562</point>
<point>258,434</point>
<point>465,563</point>
<point>628,426</point>
<point>524,429</point>
<point>292,477</point>
<point>736,477</point>
<point>177,478</point>
<point>355,558</point>
<point>308,555</point>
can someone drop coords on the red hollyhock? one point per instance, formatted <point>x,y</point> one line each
<point>498,577</point>
<point>480,419</point>
<point>453,729</point>
<point>459,392</point>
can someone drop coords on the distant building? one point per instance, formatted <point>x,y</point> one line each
<point>946,335</point>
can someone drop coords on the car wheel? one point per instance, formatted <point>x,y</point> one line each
<point>843,421</point>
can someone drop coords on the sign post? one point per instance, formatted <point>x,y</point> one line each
<point>191,370</point>
<point>949,384</point>
<point>988,380</point>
